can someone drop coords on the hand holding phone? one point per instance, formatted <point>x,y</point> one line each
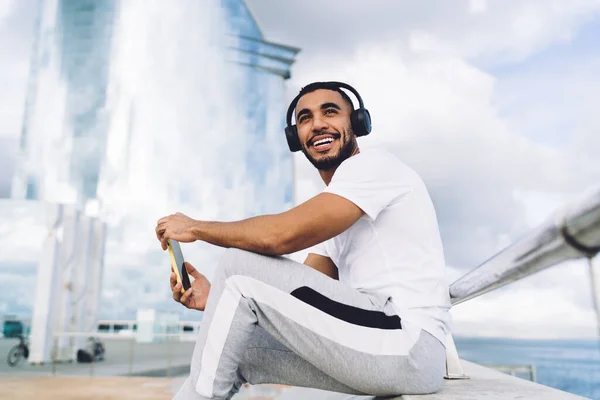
<point>178,264</point>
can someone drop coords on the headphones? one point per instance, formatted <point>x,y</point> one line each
<point>360,119</point>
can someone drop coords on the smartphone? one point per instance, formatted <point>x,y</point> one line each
<point>178,264</point>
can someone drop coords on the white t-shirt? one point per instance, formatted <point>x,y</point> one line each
<point>395,249</point>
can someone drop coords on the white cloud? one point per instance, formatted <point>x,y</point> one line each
<point>477,6</point>
<point>5,9</point>
<point>22,230</point>
<point>556,102</point>
<point>505,31</point>
<point>492,30</point>
<point>437,114</point>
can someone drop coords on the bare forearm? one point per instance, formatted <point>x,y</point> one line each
<point>257,234</point>
<point>314,221</point>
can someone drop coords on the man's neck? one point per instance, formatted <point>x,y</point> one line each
<point>327,174</point>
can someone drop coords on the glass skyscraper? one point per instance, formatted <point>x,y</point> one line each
<point>137,109</point>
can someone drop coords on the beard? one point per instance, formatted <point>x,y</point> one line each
<point>347,147</point>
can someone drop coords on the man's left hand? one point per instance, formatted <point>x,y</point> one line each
<point>177,227</point>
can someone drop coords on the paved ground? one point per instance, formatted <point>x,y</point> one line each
<point>71,388</point>
<point>131,388</point>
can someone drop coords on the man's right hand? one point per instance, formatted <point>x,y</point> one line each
<point>195,297</point>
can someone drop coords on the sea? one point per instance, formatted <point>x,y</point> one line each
<point>569,365</point>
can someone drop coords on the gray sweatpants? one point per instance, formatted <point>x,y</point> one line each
<point>273,320</point>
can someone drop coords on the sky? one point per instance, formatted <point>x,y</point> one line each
<point>491,102</point>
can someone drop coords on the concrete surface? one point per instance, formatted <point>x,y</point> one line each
<point>84,388</point>
<point>111,388</point>
<point>486,383</point>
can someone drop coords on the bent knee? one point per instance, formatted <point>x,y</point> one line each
<point>426,382</point>
<point>428,367</point>
<point>423,370</point>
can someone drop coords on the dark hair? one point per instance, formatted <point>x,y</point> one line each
<point>328,86</point>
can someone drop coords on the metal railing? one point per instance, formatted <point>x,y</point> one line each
<point>572,233</point>
<point>168,354</point>
<point>569,234</point>
<point>521,371</point>
<point>129,326</point>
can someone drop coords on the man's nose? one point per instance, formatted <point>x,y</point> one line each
<point>319,124</point>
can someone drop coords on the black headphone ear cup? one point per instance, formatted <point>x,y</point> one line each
<point>367,121</point>
<point>361,122</point>
<point>291,134</point>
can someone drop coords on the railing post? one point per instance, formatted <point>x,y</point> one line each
<point>53,354</point>
<point>92,363</point>
<point>169,350</point>
<point>131,355</point>
<point>532,373</point>
<point>453,368</point>
<point>595,285</point>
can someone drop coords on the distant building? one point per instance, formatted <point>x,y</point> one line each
<point>69,115</point>
<point>65,121</point>
<point>138,109</point>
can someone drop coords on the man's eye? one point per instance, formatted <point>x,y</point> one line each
<point>331,111</point>
<point>303,118</point>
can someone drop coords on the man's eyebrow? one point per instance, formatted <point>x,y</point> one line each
<point>302,112</point>
<point>324,106</point>
<point>330,105</point>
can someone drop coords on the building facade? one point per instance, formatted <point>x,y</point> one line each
<point>138,109</point>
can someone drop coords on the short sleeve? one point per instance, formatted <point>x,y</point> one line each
<point>371,181</point>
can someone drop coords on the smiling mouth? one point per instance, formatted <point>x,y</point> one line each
<point>324,143</point>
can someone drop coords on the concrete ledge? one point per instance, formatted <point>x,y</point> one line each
<point>484,383</point>
<point>491,384</point>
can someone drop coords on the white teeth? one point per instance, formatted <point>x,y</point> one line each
<point>323,141</point>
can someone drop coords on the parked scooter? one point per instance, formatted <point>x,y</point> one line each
<point>18,352</point>
<point>94,352</point>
